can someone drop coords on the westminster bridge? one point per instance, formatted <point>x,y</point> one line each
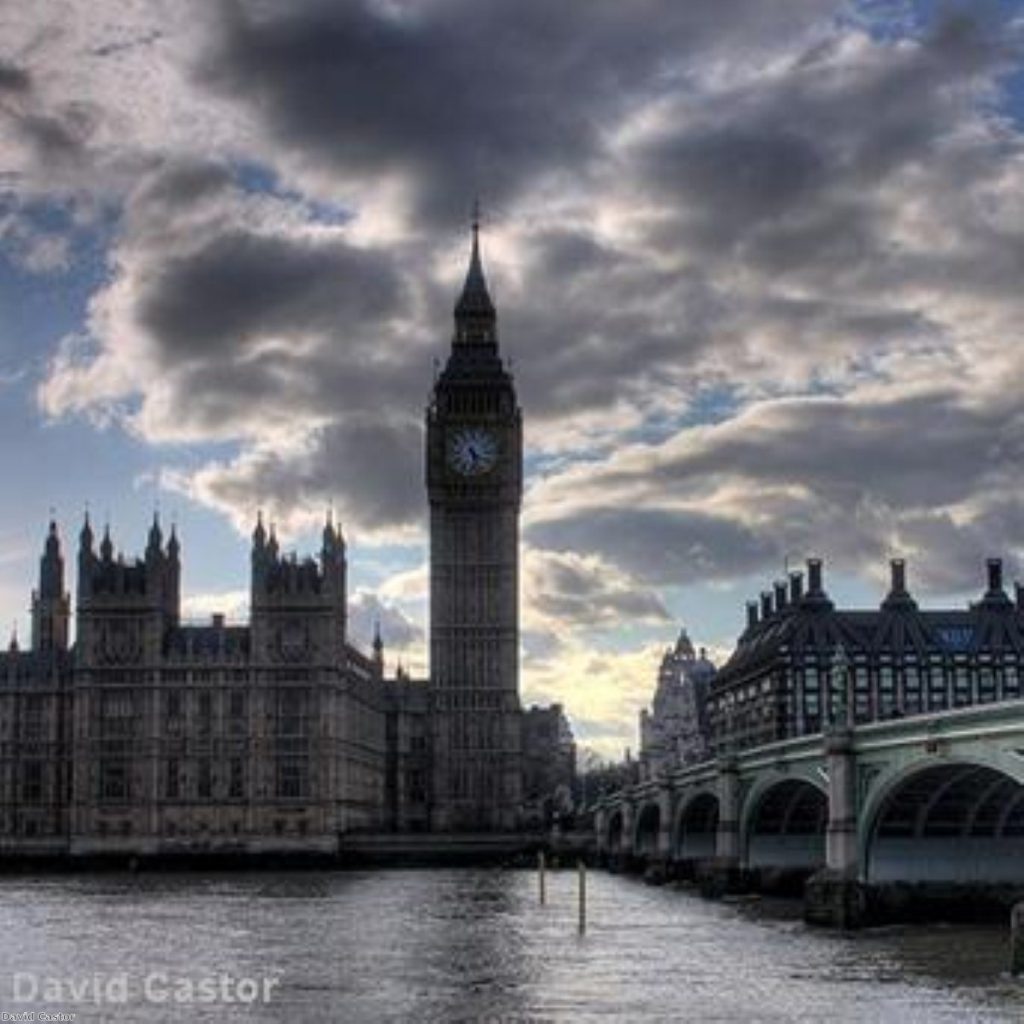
<point>929,803</point>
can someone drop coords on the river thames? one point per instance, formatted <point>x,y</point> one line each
<point>469,945</point>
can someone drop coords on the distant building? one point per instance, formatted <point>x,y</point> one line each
<point>549,762</point>
<point>674,732</point>
<point>801,663</point>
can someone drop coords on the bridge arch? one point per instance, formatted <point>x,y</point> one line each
<point>946,820</point>
<point>696,826</point>
<point>784,822</point>
<point>645,834</point>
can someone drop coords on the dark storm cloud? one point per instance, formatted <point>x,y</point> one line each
<point>466,95</point>
<point>851,480</point>
<point>372,467</point>
<point>56,141</point>
<point>726,192</point>
<point>176,186</point>
<point>790,171</point>
<point>897,451</point>
<point>241,286</point>
<point>661,546</point>
<point>14,79</point>
<point>581,592</point>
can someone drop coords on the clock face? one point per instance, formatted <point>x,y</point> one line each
<point>472,451</point>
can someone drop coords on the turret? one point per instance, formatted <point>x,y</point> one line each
<point>86,558</point>
<point>154,544</point>
<point>172,576</point>
<point>378,649</point>
<point>106,545</point>
<point>51,606</point>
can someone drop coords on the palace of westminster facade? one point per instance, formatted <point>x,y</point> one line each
<point>151,736</point>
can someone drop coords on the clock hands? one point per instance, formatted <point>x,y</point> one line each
<point>473,453</point>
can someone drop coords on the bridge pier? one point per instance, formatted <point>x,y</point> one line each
<point>626,844</point>
<point>724,874</point>
<point>601,834</point>
<point>835,897</point>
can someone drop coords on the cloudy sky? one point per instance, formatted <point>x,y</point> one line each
<point>759,267</point>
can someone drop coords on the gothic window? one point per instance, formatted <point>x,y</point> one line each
<point>172,704</point>
<point>204,779</point>
<point>205,713</point>
<point>236,783</point>
<point>116,714</point>
<point>173,780</point>
<point>113,779</point>
<point>292,779</point>
<point>292,712</point>
<point>32,782</point>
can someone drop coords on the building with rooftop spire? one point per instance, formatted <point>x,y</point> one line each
<point>474,468</point>
<point>674,731</point>
<point>149,735</point>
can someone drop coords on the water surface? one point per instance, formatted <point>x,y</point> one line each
<point>476,945</point>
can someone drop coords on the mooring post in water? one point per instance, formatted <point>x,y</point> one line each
<point>1017,939</point>
<point>583,896</point>
<point>540,877</point>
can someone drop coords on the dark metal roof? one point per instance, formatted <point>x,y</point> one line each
<point>815,629</point>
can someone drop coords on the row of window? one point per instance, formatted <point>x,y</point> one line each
<point>291,780</point>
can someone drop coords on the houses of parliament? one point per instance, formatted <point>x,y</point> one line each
<point>147,735</point>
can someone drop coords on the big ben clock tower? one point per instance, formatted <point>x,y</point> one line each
<point>474,482</point>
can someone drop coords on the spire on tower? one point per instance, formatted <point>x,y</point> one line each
<point>156,536</point>
<point>259,535</point>
<point>378,646</point>
<point>85,537</point>
<point>52,541</point>
<point>106,545</point>
<point>475,317</point>
<point>329,536</point>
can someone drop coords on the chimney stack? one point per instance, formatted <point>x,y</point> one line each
<point>898,576</point>
<point>766,604</point>
<point>1019,588</point>
<point>780,596</point>
<point>995,576</point>
<point>796,587</point>
<point>751,614</point>
<point>814,587</point>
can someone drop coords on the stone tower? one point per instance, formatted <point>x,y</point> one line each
<point>474,484</point>
<point>51,606</point>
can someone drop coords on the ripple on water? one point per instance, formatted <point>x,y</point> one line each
<point>476,945</point>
